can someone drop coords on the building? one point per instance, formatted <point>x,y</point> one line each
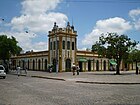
<point>62,53</point>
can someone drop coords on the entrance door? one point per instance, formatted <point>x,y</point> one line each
<point>68,65</point>
<point>89,65</point>
<point>54,65</point>
<point>104,65</point>
<point>39,63</point>
<point>33,65</point>
<point>97,65</point>
<point>80,65</point>
<point>45,64</point>
<point>28,64</point>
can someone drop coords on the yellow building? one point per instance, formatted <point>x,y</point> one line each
<point>63,52</point>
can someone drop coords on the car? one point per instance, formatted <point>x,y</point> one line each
<point>2,72</point>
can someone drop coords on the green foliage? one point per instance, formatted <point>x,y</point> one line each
<point>117,47</point>
<point>134,56</point>
<point>101,50</point>
<point>8,47</point>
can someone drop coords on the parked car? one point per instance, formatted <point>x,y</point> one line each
<point>2,72</point>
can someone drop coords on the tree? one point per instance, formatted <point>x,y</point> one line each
<point>8,47</point>
<point>101,50</point>
<point>134,56</point>
<point>117,47</point>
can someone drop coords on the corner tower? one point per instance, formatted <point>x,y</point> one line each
<point>62,47</point>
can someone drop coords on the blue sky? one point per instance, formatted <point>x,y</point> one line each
<point>91,18</point>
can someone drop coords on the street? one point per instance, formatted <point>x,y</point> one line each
<point>24,90</point>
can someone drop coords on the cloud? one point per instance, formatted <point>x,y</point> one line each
<point>37,17</point>
<point>115,24</point>
<point>41,46</point>
<point>135,15</point>
<point>35,7</point>
<point>23,38</point>
<point>138,46</point>
<point>38,23</point>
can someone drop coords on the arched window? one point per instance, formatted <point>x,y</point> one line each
<point>73,46</point>
<point>68,45</point>
<point>63,44</point>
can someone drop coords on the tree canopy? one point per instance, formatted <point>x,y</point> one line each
<point>114,46</point>
<point>8,47</point>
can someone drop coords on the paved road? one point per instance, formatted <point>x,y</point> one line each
<point>38,91</point>
<point>126,77</point>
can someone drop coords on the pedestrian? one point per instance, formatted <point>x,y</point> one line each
<point>26,69</point>
<point>50,70</point>
<point>77,69</point>
<point>73,68</point>
<point>18,70</point>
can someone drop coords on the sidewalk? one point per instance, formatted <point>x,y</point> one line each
<point>101,77</point>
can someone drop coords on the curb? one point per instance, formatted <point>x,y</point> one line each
<point>111,83</point>
<point>34,76</point>
<point>43,77</point>
<point>53,78</point>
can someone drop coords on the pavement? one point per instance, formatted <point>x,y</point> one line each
<point>100,77</point>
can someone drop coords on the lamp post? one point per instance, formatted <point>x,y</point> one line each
<point>56,47</point>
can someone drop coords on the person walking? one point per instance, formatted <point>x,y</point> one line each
<point>50,69</point>
<point>18,70</point>
<point>77,69</point>
<point>73,68</point>
<point>26,70</point>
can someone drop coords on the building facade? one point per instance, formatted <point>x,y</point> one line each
<point>62,53</point>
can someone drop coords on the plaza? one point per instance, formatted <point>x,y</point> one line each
<point>95,88</point>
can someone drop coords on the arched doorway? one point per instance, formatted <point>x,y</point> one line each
<point>23,64</point>
<point>97,65</point>
<point>54,65</point>
<point>104,65</point>
<point>89,65</point>
<point>33,64</point>
<point>125,66</point>
<point>39,63</point>
<point>45,64</point>
<point>14,64</point>
<point>28,64</point>
<point>80,66</point>
<point>19,63</point>
<point>68,65</point>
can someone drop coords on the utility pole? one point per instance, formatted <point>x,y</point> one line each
<point>56,46</point>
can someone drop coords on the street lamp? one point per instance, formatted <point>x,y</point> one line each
<point>56,46</point>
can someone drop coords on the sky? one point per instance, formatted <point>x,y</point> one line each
<point>30,20</point>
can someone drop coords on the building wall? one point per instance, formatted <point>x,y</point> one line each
<point>36,63</point>
<point>31,60</point>
<point>66,53</point>
<point>66,56</point>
